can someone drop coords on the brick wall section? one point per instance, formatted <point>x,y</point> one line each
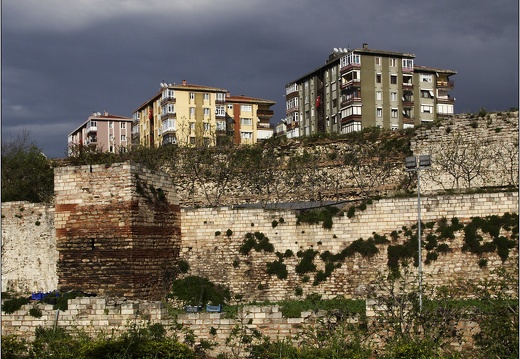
<point>203,249</point>
<point>115,234</point>
<point>29,252</point>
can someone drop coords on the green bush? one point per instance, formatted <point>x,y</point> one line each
<point>194,290</point>
<point>277,268</point>
<point>184,266</point>
<point>35,312</point>
<point>10,306</point>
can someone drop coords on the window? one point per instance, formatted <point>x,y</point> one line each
<point>221,125</point>
<point>246,108</point>
<point>206,111</point>
<point>427,109</point>
<point>123,137</point>
<point>192,96</point>
<point>394,126</point>
<point>378,60</point>
<point>221,96</point>
<point>393,62</point>
<point>350,59</point>
<point>408,63</point>
<point>110,124</point>
<point>378,95</point>
<point>393,96</point>
<point>220,111</point>
<point>168,94</point>
<point>192,140</point>
<point>378,78</point>
<point>192,112</point>
<point>246,135</point>
<point>246,121</point>
<point>393,79</point>
<point>230,107</point>
<point>192,126</point>
<point>170,108</point>
<point>123,125</point>
<point>426,78</point>
<point>379,112</point>
<point>206,126</point>
<point>426,94</point>
<point>394,113</point>
<point>206,97</point>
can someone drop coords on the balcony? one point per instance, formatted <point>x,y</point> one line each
<point>350,67</point>
<point>265,113</point>
<point>167,115</point>
<point>446,100</point>
<point>351,83</point>
<point>445,84</point>
<point>350,101</point>
<point>91,141</point>
<point>168,100</point>
<point>91,128</point>
<point>350,118</point>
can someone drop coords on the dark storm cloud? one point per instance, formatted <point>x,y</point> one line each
<point>63,60</point>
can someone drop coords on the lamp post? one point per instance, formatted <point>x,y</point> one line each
<point>413,166</point>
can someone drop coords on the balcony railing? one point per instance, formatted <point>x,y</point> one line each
<point>351,83</point>
<point>447,84</point>
<point>350,118</point>
<point>350,101</point>
<point>349,67</point>
<point>265,113</point>
<point>91,128</point>
<point>167,100</point>
<point>446,99</point>
<point>91,140</point>
<point>167,115</point>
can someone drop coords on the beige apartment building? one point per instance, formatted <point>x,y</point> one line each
<point>102,132</point>
<point>364,87</point>
<point>194,115</point>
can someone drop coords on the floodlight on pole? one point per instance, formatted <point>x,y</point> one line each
<point>412,166</point>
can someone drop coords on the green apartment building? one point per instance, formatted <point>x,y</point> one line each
<point>362,88</point>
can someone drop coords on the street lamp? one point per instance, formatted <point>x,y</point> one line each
<point>413,166</point>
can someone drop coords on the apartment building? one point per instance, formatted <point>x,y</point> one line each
<point>195,115</point>
<point>103,132</point>
<point>365,87</point>
<point>249,119</point>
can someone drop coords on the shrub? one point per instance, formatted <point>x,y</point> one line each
<point>12,305</point>
<point>229,233</point>
<point>35,312</point>
<point>183,266</point>
<point>274,223</point>
<point>306,264</point>
<point>194,290</point>
<point>277,268</point>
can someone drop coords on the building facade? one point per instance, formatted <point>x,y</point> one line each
<point>363,88</point>
<point>248,119</point>
<point>102,132</point>
<point>193,115</point>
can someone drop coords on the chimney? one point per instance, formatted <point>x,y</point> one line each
<point>365,46</point>
<point>184,82</point>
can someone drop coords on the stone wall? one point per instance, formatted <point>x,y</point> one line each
<point>29,252</point>
<point>97,315</point>
<point>117,230</point>
<point>217,257</point>
<point>468,151</point>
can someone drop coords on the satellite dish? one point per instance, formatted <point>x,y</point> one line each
<point>340,50</point>
<point>335,50</point>
<point>345,49</point>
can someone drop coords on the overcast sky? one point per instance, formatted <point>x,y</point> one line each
<point>63,60</point>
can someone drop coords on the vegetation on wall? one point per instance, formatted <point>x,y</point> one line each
<point>27,175</point>
<point>198,291</point>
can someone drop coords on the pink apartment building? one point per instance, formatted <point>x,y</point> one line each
<point>102,131</point>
